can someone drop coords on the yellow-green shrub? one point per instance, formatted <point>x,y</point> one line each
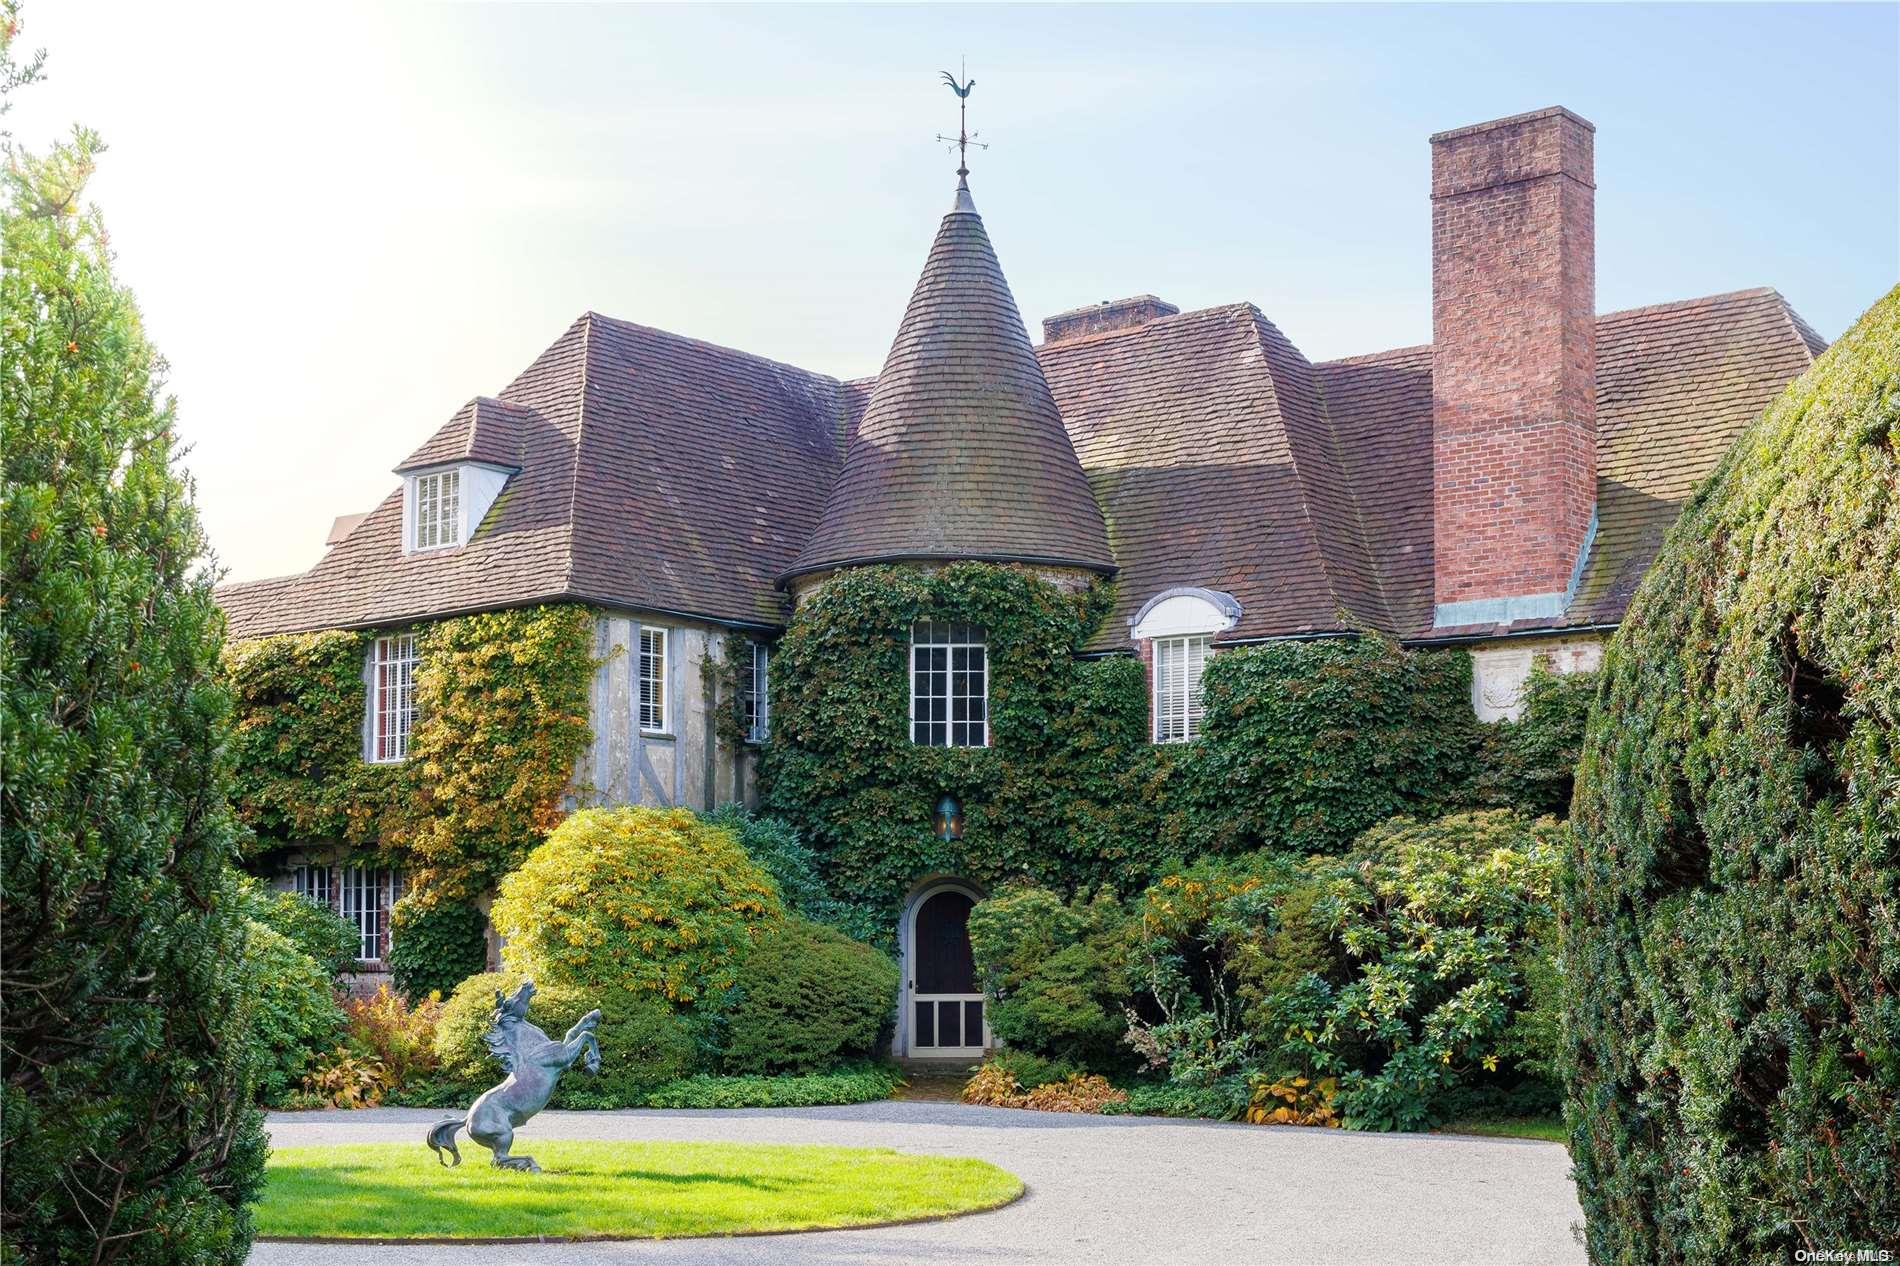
<point>653,900</point>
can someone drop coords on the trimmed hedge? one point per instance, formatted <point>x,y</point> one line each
<point>1731,912</point>
<point>807,996</point>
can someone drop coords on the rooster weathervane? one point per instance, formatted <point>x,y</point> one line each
<point>964,137</point>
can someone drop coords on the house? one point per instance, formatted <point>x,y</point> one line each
<point>1503,488</point>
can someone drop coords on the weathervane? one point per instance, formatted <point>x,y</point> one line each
<point>964,137</point>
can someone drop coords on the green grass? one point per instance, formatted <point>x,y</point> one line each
<point>1550,1129</point>
<point>630,1190</point>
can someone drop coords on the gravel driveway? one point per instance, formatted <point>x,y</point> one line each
<point>1101,1190</point>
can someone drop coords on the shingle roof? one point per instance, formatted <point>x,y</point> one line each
<point>1218,455</point>
<point>700,473</point>
<point>483,430</point>
<point>961,452</point>
<point>1676,383</point>
<point>1196,431</point>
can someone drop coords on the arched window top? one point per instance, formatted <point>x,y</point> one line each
<point>1186,612</point>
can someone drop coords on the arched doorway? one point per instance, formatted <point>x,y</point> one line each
<point>943,1015</point>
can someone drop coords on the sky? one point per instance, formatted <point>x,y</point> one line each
<point>343,222</point>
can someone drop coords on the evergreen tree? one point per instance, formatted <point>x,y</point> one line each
<point>126,1127</point>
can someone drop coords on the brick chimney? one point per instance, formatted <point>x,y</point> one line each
<point>1100,318</point>
<point>1513,366</point>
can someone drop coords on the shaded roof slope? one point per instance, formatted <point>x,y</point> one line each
<point>1204,439</point>
<point>961,452</point>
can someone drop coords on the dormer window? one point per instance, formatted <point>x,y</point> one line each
<point>1179,627</point>
<point>443,505</point>
<point>438,517</point>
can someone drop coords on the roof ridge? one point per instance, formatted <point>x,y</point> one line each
<point>1361,358</point>
<point>1682,305</point>
<point>1260,324</point>
<point>580,446</point>
<point>1213,312</point>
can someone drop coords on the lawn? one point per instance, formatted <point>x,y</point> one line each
<point>618,1190</point>
<point>1550,1129</point>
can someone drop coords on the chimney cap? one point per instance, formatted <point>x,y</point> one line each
<point>1529,116</point>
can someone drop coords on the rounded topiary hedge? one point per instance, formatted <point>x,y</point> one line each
<point>807,996</point>
<point>1731,907</point>
<point>653,900</point>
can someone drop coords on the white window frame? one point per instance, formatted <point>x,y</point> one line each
<point>650,681</point>
<point>1178,708</point>
<point>755,700</point>
<point>360,895</point>
<point>391,696</point>
<point>438,512</point>
<point>951,637</point>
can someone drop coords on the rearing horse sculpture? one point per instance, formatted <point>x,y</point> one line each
<point>534,1062</point>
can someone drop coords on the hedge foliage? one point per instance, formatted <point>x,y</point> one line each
<point>1731,909</point>
<point>127,1036</point>
<point>501,722</point>
<point>1306,744</point>
<point>807,996</point>
<point>644,1042</point>
<point>298,1017</point>
<point>435,945</point>
<point>1055,972</point>
<point>327,937</point>
<point>653,900</point>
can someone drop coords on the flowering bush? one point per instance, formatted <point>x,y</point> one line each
<point>656,901</point>
<point>397,1035</point>
<point>349,1079</point>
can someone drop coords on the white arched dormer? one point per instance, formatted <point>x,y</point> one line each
<point>1177,628</point>
<point>941,1011</point>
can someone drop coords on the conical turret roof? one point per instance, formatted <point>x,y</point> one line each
<point>961,453</point>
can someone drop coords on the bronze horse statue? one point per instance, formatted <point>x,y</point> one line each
<point>534,1063</point>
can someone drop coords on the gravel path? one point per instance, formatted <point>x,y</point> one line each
<point>1101,1190</point>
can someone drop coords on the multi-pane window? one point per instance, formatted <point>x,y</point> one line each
<point>438,509</point>
<point>362,895</point>
<point>653,680</point>
<point>1178,662</point>
<point>392,697</point>
<point>949,685</point>
<point>755,705</point>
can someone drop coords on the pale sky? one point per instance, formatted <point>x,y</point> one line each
<point>344,222</point>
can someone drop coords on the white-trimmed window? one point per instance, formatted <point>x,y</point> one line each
<point>438,509</point>
<point>949,684</point>
<point>1178,662</point>
<point>392,698</point>
<point>362,895</point>
<point>653,681</point>
<point>755,705</point>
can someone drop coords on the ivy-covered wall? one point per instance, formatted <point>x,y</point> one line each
<point>502,721</point>
<point>1305,744</point>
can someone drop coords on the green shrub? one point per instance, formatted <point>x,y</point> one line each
<point>318,931</point>
<point>126,1036</point>
<point>652,900</point>
<point>807,996</point>
<point>1225,1099</point>
<point>1437,917</point>
<point>397,1034</point>
<point>807,1090</point>
<point>775,845</point>
<point>1731,905</point>
<point>1530,764</point>
<point>643,1041</point>
<point>1055,973</point>
<point>1029,1070</point>
<point>1306,744</point>
<point>298,1019</point>
<point>434,945</point>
